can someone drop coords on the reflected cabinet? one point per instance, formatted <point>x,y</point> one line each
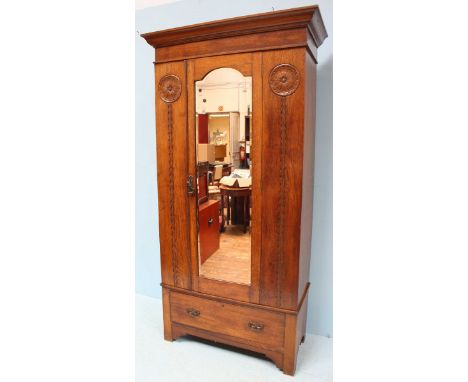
<point>235,127</point>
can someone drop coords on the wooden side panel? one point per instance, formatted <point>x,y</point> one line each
<point>166,294</point>
<point>172,146</point>
<point>282,157</point>
<point>307,172</point>
<point>290,345</point>
<point>294,335</point>
<point>301,324</point>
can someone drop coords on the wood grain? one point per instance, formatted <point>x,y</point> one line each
<point>172,146</point>
<point>240,62</point>
<point>236,291</point>
<point>293,336</point>
<point>180,330</point>
<point>230,320</point>
<point>237,44</point>
<point>302,17</point>
<point>167,315</point>
<point>281,195</point>
<point>289,356</point>
<point>256,157</point>
<point>283,130</point>
<point>231,300</point>
<point>192,170</point>
<point>310,79</point>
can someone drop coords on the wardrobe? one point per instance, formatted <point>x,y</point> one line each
<point>250,290</point>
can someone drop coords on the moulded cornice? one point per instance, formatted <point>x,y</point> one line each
<point>304,17</point>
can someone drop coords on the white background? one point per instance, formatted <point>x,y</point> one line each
<point>67,197</point>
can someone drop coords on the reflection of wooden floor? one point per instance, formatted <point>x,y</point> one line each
<point>231,262</point>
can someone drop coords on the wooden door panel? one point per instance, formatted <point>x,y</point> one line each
<point>172,146</point>
<point>282,155</point>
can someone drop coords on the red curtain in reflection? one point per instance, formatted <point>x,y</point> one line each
<point>202,128</point>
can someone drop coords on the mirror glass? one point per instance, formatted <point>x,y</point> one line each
<point>224,183</point>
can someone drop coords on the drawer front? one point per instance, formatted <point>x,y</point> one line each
<point>257,325</point>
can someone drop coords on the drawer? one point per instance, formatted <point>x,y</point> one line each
<point>256,325</point>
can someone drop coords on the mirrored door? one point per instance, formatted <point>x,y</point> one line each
<point>223,124</point>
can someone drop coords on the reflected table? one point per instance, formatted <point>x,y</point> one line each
<point>237,201</point>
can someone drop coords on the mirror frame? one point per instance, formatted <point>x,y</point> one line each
<point>248,64</point>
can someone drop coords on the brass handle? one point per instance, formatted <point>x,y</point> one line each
<point>190,186</point>
<point>255,326</point>
<point>193,312</point>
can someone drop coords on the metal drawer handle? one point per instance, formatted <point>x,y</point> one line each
<point>255,326</point>
<point>193,312</point>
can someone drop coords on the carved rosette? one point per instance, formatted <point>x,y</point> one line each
<point>170,88</point>
<point>284,79</point>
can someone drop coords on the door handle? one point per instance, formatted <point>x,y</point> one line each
<point>210,221</point>
<point>190,185</point>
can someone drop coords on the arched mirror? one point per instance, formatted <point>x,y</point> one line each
<point>224,182</point>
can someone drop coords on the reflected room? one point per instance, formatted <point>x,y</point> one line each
<point>224,183</point>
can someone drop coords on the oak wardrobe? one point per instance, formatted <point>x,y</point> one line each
<point>235,127</point>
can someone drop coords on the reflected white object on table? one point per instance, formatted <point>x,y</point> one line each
<point>241,176</point>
